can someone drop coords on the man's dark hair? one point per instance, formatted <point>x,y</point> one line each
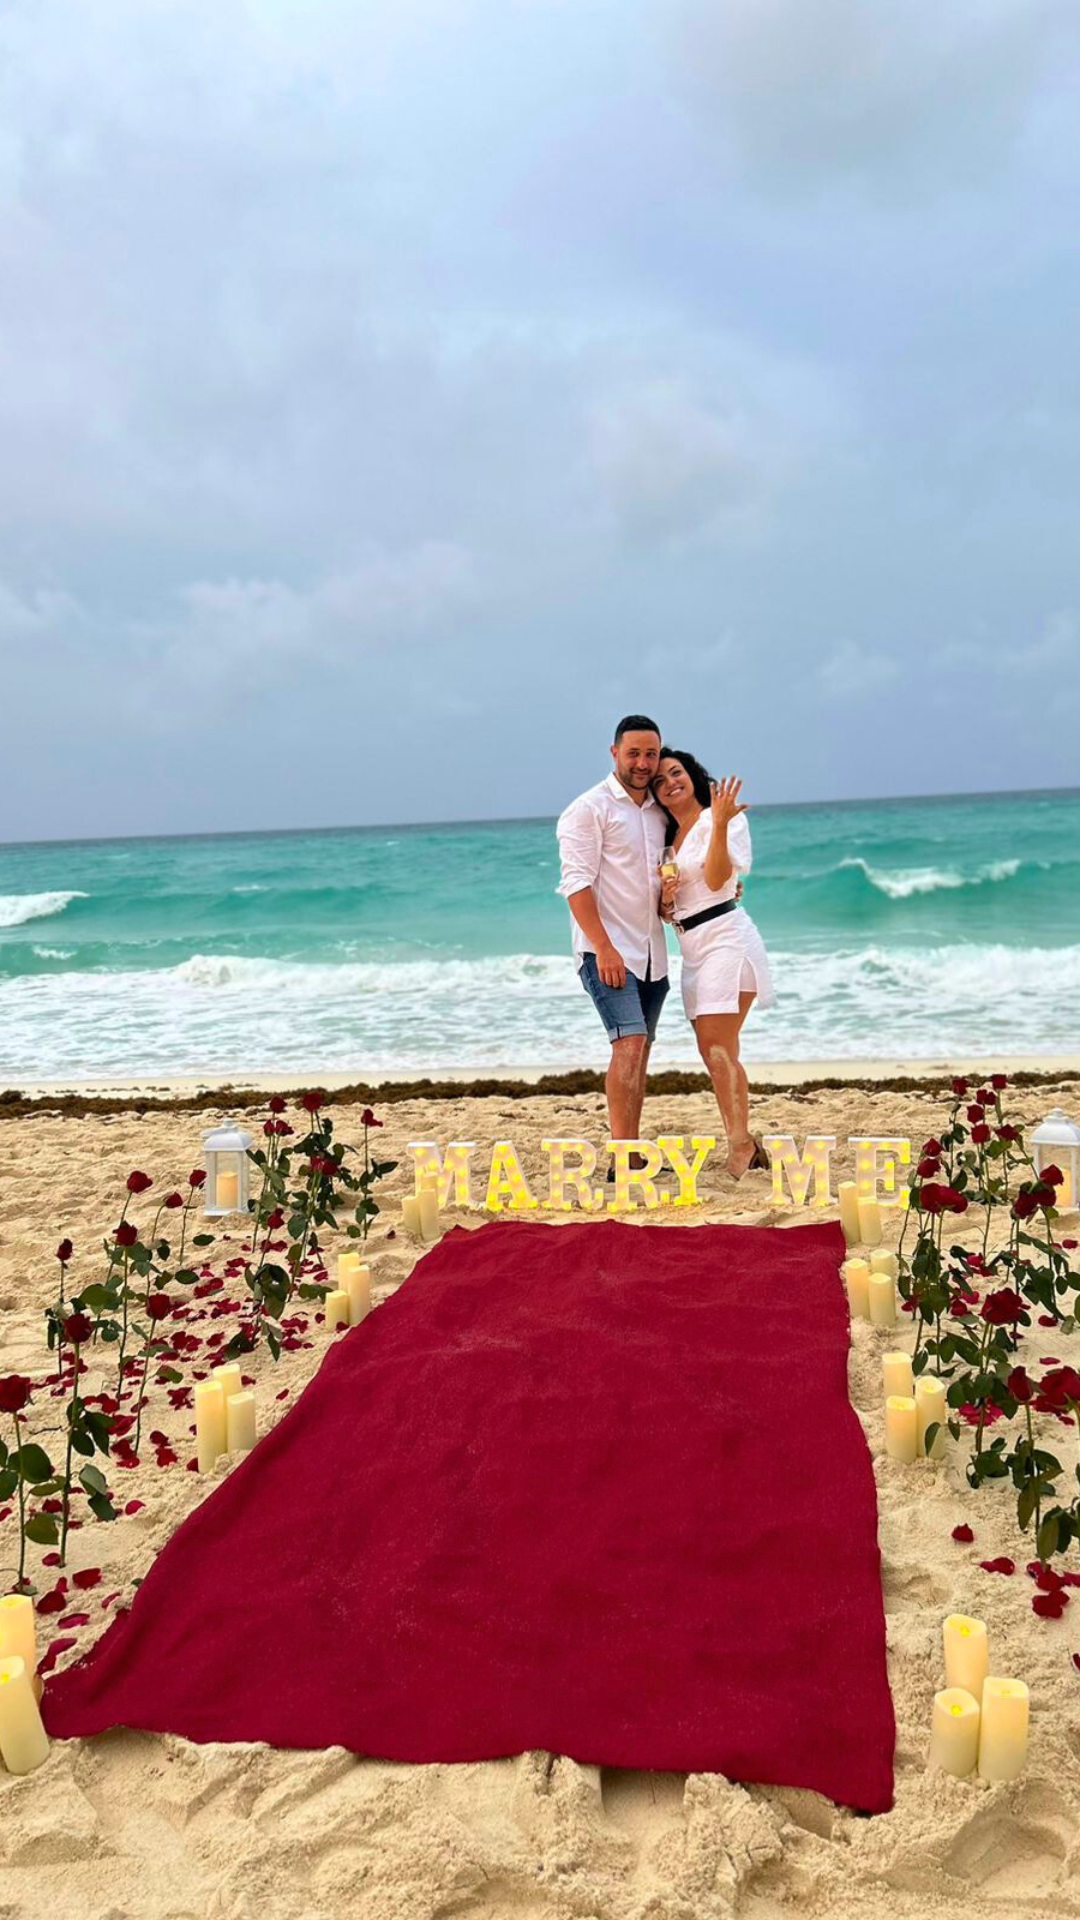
<point>699,777</point>
<point>636,723</point>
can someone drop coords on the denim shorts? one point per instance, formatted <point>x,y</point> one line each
<point>633,1008</point>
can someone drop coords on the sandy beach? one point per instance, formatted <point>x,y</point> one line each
<point>133,1825</point>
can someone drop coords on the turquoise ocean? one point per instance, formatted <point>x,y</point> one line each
<point>931,927</point>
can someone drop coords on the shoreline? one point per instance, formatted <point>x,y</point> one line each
<point>105,1094</point>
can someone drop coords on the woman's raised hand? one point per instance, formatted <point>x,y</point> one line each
<point>725,800</point>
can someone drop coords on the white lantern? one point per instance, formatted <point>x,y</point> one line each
<point>1056,1141</point>
<point>226,1151</point>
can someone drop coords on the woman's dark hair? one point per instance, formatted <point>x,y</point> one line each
<point>699,780</point>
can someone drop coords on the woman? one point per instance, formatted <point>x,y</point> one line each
<point>724,963</point>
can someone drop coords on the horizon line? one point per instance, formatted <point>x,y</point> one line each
<point>504,820</point>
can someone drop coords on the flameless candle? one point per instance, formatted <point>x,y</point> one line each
<point>358,1287</point>
<point>427,1201</point>
<point>227,1191</point>
<point>346,1263</point>
<point>883,1260</point>
<point>930,1408</point>
<point>209,1422</point>
<point>870,1222</point>
<point>967,1654</point>
<point>1003,1729</point>
<point>897,1375</point>
<point>240,1422</point>
<point>17,1636</point>
<point>23,1740</point>
<point>882,1288</point>
<point>901,1439</point>
<point>337,1309</point>
<point>847,1194</point>
<point>410,1214</point>
<point>857,1280</point>
<point>229,1376</point>
<point>954,1731</point>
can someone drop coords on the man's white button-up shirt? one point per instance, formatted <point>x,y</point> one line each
<point>609,843</point>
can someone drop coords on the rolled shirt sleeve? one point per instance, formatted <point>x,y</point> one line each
<point>580,847</point>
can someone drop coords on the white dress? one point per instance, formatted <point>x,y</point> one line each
<point>727,955</point>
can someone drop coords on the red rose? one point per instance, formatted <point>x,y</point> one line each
<point>984,1097</point>
<point>275,1220</point>
<point>367,1119</point>
<point>159,1306</point>
<point>1007,1133</point>
<point>937,1198</point>
<point>933,1147</point>
<point>928,1169</point>
<point>15,1391</point>
<point>126,1234</point>
<point>77,1328</point>
<point>980,1134</point>
<point>999,1080</point>
<point>1051,1176</point>
<point>959,1087</point>
<point>173,1200</point>
<point>64,1251</point>
<point>1058,1388</point>
<point>975,1113</point>
<point>311,1102</point>
<point>1032,1195</point>
<point>1020,1386</point>
<point>276,1103</point>
<point>1002,1309</point>
<point>138,1182</point>
<point>963,1534</point>
<point>198,1178</point>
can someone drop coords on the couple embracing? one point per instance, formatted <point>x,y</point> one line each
<point>658,840</point>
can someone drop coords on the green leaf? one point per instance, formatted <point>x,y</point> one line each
<point>98,1296</point>
<point>168,1376</point>
<point>9,1480</point>
<point>185,1277</point>
<point>41,1528</point>
<point>101,1507</point>
<point>34,1464</point>
<point>93,1480</point>
<point>932,1432</point>
<point>82,1443</point>
<point>202,1240</point>
<point>1046,1540</point>
<point>1027,1502</point>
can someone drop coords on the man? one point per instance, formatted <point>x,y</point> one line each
<point>610,842</point>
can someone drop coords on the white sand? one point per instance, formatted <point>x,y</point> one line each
<point>136,1827</point>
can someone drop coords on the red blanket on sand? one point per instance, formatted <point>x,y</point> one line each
<point>592,1488</point>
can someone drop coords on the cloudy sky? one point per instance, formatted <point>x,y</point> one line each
<point>393,394</point>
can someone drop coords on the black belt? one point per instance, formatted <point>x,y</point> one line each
<point>707,913</point>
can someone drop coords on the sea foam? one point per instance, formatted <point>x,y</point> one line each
<point>17,908</point>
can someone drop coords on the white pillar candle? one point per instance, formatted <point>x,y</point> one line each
<point>228,1375</point>
<point>410,1214</point>
<point>857,1281</point>
<point>24,1743</point>
<point>428,1203</point>
<point>882,1299</point>
<point>346,1263</point>
<point>883,1260</point>
<point>17,1635</point>
<point>847,1194</point>
<point>967,1653</point>
<point>209,1422</point>
<point>359,1292</point>
<point>870,1223</point>
<point>930,1407</point>
<point>240,1422</point>
<point>1003,1729</point>
<point>227,1190</point>
<point>900,1435</point>
<point>337,1309</point>
<point>954,1731</point>
<point>896,1374</point>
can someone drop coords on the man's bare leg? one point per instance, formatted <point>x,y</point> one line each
<point>625,1085</point>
